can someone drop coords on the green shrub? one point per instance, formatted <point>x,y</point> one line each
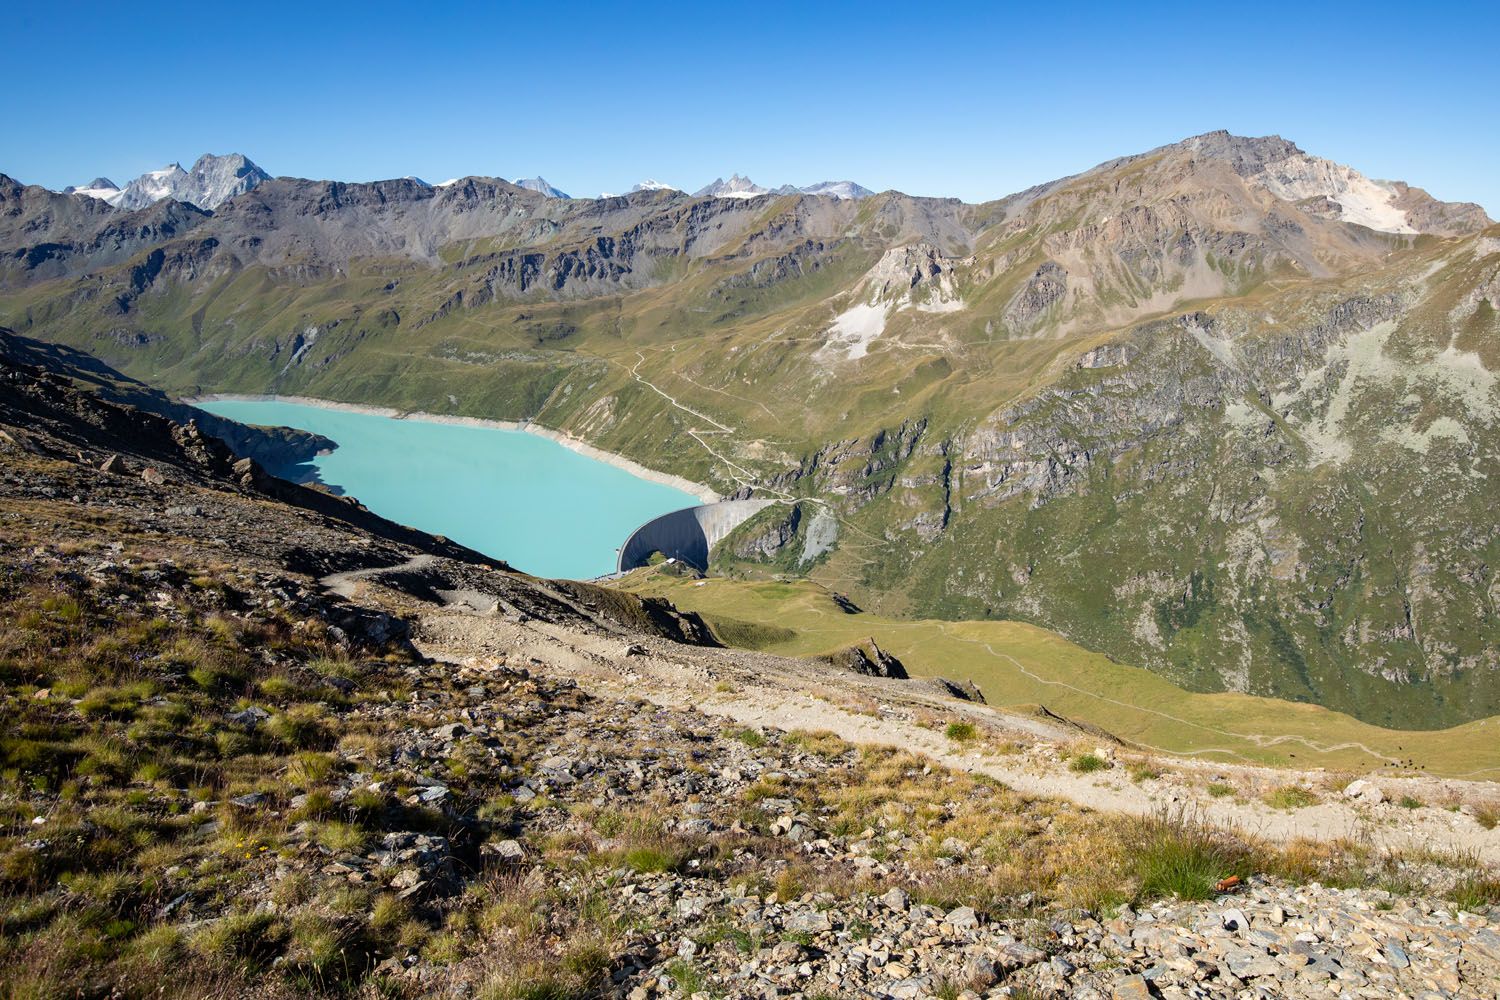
<point>1290,797</point>
<point>752,738</point>
<point>1087,763</point>
<point>960,732</point>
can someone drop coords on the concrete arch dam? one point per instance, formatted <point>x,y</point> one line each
<point>688,534</point>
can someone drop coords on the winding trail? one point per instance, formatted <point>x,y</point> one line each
<point>345,584</point>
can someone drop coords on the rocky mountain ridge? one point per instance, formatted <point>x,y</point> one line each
<point>1031,402</point>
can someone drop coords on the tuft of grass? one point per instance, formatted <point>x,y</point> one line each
<point>960,732</point>
<point>251,938</point>
<point>1179,854</point>
<point>1087,763</point>
<point>1290,797</point>
<point>752,738</point>
<point>1475,890</point>
<point>1218,789</point>
<point>1487,815</point>
<point>686,978</point>
<point>653,859</point>
<point>1409,802</point>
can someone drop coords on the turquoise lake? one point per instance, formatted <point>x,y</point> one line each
<point>511,495</point>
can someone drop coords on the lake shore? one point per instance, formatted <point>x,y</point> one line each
<point>704,493</point>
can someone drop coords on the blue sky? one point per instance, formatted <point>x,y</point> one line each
<point>930,99</point>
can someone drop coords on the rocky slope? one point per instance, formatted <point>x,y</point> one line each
<point>230,748</point>
<point>1215,408</point>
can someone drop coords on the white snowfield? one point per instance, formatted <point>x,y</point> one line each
<point>109,194</point>
<point>1362,201</point>
<point>653,185</point>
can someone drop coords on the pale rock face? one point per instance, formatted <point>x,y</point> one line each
<point>212,181</point>
<point>838,189</point>
<point>918,276</point>
<point>540,185</point>
<point>735,187</point>
<point>1361,201</point>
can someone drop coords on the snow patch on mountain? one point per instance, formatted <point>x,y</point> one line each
<point>1361,201</point>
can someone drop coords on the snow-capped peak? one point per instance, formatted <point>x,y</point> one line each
<point>212,181</point>
<point>100,187</point>
<point>735,187</point>
<point>651,185</point>
<point>540,185</point>
<point>838,189</point>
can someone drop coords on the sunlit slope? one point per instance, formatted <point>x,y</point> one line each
<point>1156,407</point>
<point>1018,664</point>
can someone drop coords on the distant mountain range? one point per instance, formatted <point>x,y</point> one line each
<point>212,181</point>
<point>744,187</point>
<point>215,179</point>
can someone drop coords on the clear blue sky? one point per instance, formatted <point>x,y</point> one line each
<point>927,98</point>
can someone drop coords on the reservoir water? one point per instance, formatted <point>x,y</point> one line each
<point>512,495</point>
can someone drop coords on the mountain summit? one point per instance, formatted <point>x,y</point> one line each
<point>735,187</point>
<point>1332,190</point>
<point>838,189</point>
<point>212,181</point>
<point>540,185</point>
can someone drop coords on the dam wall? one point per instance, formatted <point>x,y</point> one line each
<point>688,534</point>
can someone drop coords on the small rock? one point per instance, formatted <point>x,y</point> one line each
<point>897,899</point>
<point>152,477</point>
<point>981,972</point>
<point>1364,791</point>
<point>962,917</point>
<point>507,850</point>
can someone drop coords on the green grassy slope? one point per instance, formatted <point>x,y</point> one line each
<point>1015,664</point>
